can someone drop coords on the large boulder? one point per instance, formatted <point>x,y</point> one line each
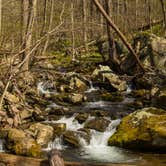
<point>42,133</point>
<point>99,124</point>
<point>144,129</point>
<point>105,74</point>
<point>22,144</point>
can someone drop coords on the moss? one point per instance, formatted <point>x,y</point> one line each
<point>139,127</point>
<point>112,97</point>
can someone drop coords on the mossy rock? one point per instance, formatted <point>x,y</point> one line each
<point>144,129</point>
<point>113,97</point>
<point>27,147</point>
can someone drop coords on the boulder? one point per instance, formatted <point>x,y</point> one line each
<point>59,128</point>
<point>113,97</point>
<point>145,129</point>
<point>22,144</point>
<point>76,98</point>
<point>99,124</point>
<point>42,133</point>
<point>105,74</point>
<point>27,147</point>
<point>73,138</point>
<point>77,84</point>
<point>160,100</point>
<point>82,117</point>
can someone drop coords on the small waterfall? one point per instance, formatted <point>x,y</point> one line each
<point>2,148</point>
<point>42,89</point>
<point>91,88</point>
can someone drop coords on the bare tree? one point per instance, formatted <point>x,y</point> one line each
<point>28,17</point>
<point>85,37</point>
<point>120,34</point>
<point>164,15</point>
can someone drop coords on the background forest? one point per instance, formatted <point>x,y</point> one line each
<point>85,78</point>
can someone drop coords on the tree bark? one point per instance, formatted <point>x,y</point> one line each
<point>0,16</point>
<point>85,37</point>
<point>119,33</point>
<point>164,15</point>
<point>29,15</point>
<point>49,28</point>
<point>72,30</point>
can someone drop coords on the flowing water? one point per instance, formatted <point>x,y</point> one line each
<point>97,150</point>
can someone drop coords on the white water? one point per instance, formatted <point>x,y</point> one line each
<point>91,88</point>
<point>41,87</point>
<point>2,142</point>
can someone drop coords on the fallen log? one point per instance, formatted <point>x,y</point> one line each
<point>13,160</point>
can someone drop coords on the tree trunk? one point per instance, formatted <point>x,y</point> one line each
<point>0,16</point>
<point>112,49</point>
<point>85,38</point>
<point>49,28</point>
<point>72,30</point>
<point>29,14</point>
<point>164,15</point>
<point>119,33</point>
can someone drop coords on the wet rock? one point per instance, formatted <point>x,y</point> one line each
<point>99,113</point>
<point>99,124</point>
<point>11,97</point>
<point>54,117</point>
<point>76,98</point>
<point>59,128</point>
<point>160,100</point>
<point>113,97</point>
<point>142,130</point>
<point>105,74</point>
<point>73,138</point>
<point>77,84</point>
<point>59,111</point>
<point>82,117</point>
<point>42,133</point>
<point>141,93</point>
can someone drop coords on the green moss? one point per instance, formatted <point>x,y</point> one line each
<point>139,127</point>
<point>112,97</point>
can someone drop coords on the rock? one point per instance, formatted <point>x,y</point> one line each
<point>12,98</point>
<point>21,144</point>
<point>82,117</point>
<point>43,133</point>
<point>15,135</point>
<point>59,111</point>
<point>77,84</point>
<point>141,93</point>
<point>99,113</point>
<point>25,114</point>
<point>145,129</point>
<point>76,98</point>
<point>113,97</point>
<point>59,128</point>
<point>99,124</point>
<point>27,147</point>
<point>160,100</point>
<point>104,73</point>
<point>73,138</point>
